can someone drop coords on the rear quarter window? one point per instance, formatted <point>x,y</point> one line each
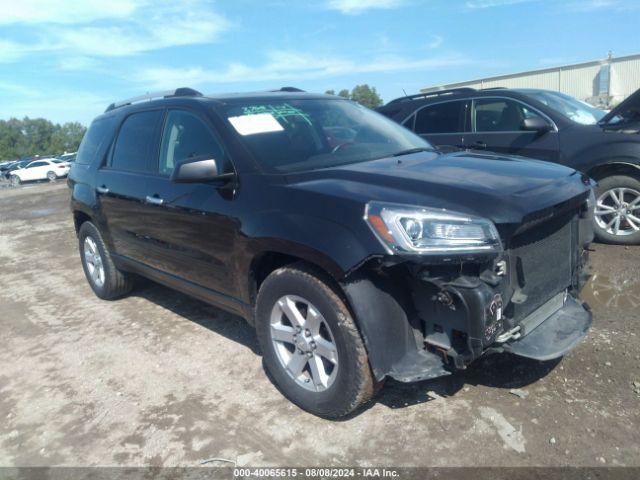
<point>96,141</point>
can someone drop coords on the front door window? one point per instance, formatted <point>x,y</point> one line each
<point>500,115</point>
<point>186,136</point>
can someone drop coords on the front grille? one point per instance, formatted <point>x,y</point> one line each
<point>543,261</point>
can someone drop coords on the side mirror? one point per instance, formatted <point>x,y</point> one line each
<point>535,124</point>
<point>198,170</point>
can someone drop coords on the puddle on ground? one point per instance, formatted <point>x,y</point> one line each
<point>619,291</point>
<point>41,212</point>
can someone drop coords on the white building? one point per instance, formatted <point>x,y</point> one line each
<point>600,82</point>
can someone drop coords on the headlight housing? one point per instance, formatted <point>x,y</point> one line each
<point>420,230</point>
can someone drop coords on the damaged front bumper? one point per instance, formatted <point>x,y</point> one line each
<point>423,320</point>
<point>401,347</point>
<point>556,335</point>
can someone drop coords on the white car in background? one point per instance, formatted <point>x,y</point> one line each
<point>42,169</point>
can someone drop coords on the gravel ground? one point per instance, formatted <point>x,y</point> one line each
<point>159,378</point>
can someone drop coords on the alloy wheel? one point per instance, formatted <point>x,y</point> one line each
<point>618,211</point>
<point>93,260</point>
<point>51,176</point>
<point>304,343</point>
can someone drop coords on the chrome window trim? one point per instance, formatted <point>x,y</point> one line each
<point>472,130</point>
<point>411,125</point>
<point>452,133</point>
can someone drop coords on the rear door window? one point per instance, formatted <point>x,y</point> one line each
<point>446,117</point>
<point>136,146</point>
<point>186,136</point>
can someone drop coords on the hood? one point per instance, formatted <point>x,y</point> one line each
<point>628,110</point>
<point>504,189</point>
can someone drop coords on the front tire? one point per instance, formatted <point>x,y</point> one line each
<point>15,180</point>
<point>311,346</point>
<point>105,279</point>
<point>617,212</point>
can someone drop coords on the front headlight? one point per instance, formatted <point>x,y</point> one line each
<point>420,230</point>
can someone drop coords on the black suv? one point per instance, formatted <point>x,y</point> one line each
<point>356,250</point>
<point>546,125</point>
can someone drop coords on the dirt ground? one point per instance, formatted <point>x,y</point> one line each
<point>159,378</point>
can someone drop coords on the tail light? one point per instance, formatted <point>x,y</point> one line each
<point>62,166</point>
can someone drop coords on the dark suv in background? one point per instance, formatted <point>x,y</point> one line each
<point>545,125</point>
<point>356,250</point>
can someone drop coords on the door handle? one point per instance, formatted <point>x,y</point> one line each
<point>480,144</point>
<point>154,200</point>
<point>102,189</point>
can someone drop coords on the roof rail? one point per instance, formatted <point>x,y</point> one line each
<point>435,93</point>
<point>178,92</point>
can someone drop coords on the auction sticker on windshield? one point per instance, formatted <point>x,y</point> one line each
<point>257,123</point>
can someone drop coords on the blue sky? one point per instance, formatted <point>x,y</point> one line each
<point>66,60</point>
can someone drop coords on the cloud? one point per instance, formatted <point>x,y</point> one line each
<point>77,63</point>
<point>480,4</point>
<point>593,5</point>
<point>162,32</point>
<point>354,7</point>
<point>10,51</point>
<point>17,89</point>
<point>134,26</point>
<point>569,5</point>
<point>289,66</point>
<point>67,11</point>
<point>436,41</point>
<point>56,105</point>
<point>563,7</point>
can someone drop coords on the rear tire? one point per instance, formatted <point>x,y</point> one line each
<point>333,376</point>
<point>615,197</point>
<point>105,279</point>
<point>51,176</point>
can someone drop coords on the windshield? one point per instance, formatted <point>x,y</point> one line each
<point>308,134</point>
<point>568,106</point>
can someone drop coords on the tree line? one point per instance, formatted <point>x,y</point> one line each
<point>38,136</point>
<point>363,94</point>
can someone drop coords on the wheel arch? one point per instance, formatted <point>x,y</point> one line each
<point>79,217</point>
<point>625,166</point>
<point>378,307</point>
<point>268,260</point>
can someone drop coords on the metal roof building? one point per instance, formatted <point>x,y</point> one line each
<point>599,82</point>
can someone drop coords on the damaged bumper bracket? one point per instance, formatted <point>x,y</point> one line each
<point>556,336</point>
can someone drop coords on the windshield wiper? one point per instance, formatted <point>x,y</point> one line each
<point>409,151</point>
